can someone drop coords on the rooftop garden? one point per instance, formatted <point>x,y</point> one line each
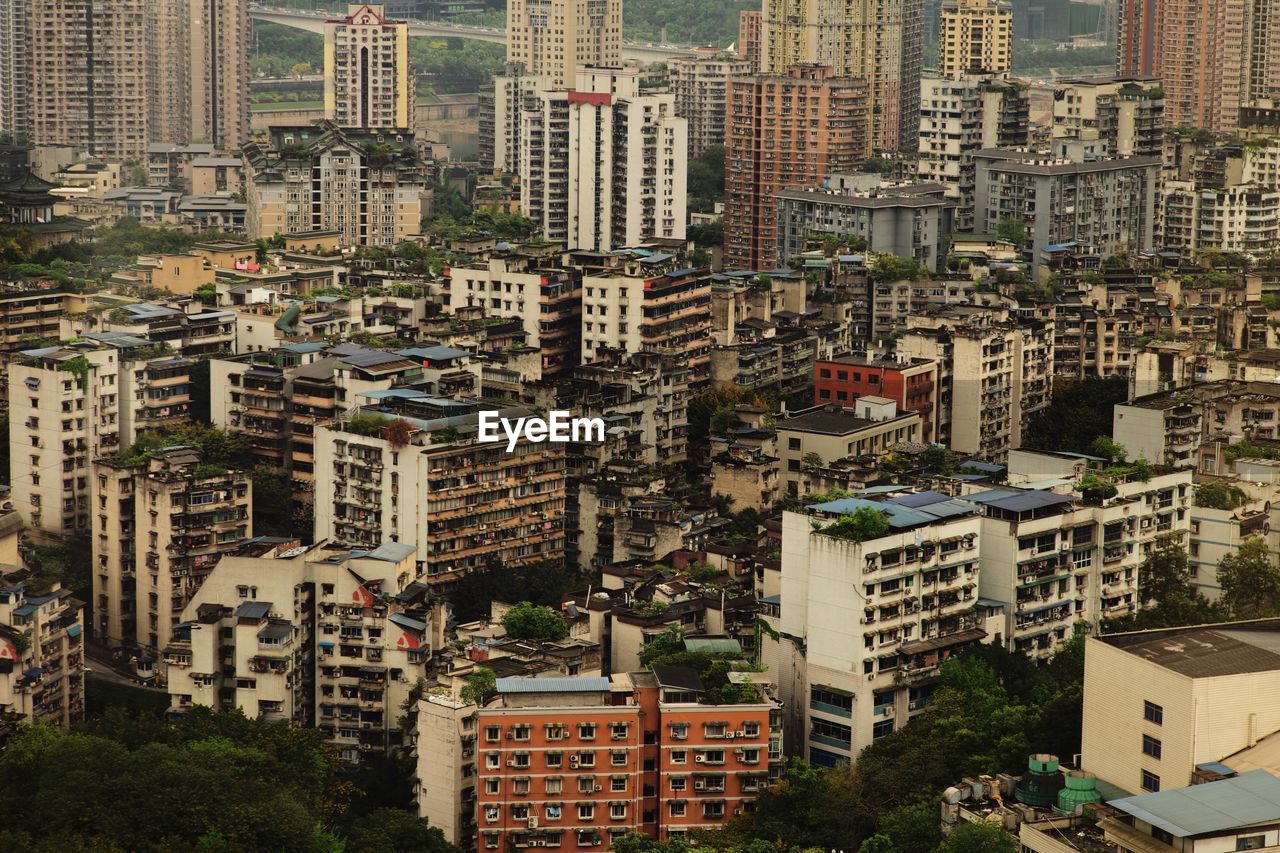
<point>858,526</point>
<point>1249,450</point>
<point>1220,496</point>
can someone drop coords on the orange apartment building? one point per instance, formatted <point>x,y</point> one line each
<point>575,763</point>
<point>784,131</point>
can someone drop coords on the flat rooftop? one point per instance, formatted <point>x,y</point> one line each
<point>1207,651</point>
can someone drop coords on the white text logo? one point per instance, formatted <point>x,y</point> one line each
<point>561,428</point>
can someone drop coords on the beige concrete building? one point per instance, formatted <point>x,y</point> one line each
<point>69,405</point>
<point>557,39</point>
<point>461,504</point>
<point>319,636</point>
<point>872,426</point>
<point>446,748</point>
<point>162,525</point>
<point>367,79</point>
<point>1159,705</point>
<point>366,185</point>
<point>975,37</point>
<point>15,68</point>
<point>41,650</point>
<point>700,85</point>
<point>878,42</point>
<point>960,116</point>
<point>111,77</point>
<point>995,373</point>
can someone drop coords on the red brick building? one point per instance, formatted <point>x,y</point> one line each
<point>573,763</point>
<point>911,383</point>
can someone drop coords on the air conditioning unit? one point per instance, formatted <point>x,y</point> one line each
<point>728,735</point>
<point>699,786</point>
<point>699,759</point>
<point>511,735</point>
<point>597,789</point>
<point>741,733</point>
<point>533,822</point>
<point>573,761</point>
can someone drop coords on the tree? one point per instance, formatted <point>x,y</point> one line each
<point>1250,581</point>
<point>866,522</point>
<point>912,827</point>
<point>879,843</point>
<point>1109,450</point>
<point>706,180</point>
<point>1080,411</point>
<point>1220,496</point>
<point>528,621</point>
<point>979,838</point>
<point>393,831</point>
<point>481,686</point>
<point>811,460</point>
<point>1014,230</point>
<point>300,69</point>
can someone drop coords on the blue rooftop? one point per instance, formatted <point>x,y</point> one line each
<point>1246,800</point>
<point>552,685</point>
<point>436,353</point>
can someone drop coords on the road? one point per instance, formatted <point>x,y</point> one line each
<point>314,23</point>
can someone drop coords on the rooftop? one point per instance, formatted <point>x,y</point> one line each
<point>1207,651</point>
<point>1246,800</point>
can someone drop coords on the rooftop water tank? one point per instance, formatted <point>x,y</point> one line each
<point>1039,786</point>
<point>1081,788</point>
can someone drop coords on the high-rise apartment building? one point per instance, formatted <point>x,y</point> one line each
<point>367,80</point>
<point>41,650</point>
<point>1213,58</point>
<point>113,75</point>
<point>364,184</point>
<point>89,79</point>
<point>785,131</point>
<point>558,38</point>
<point>869,622</point>
<point>961,116</point>
<point>1107,203</point>
<point>994,374</point>
<point>462,504</point>
<point>879,41</point>
<point>15,66</point>
<point>72,404</point>
<point>603,165</point>
<point>749,44</point>
<point>576,763</point>
<point>1125,117</point>
<point>700,85</point>
<point>315,635</point>
<point>975,37</point>
<point>162,523</point>
<point>219,66</point>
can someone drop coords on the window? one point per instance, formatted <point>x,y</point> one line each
<point>882,728</point>
<point>1251,842</point>
<point>1150,746</point>
<point>1153,713</point>
<point>618,811</point>
<point>491,761</point>
<point>587,731</point>
<point>491,841</point>
<point>491,786</point>
<point>711,756</point>
<point>714,729</point>
<point>677,809</point>
<point>680,732</point>
<point>618,757</point>
<point>679,756</point>
<point>555,785</point>
<point>586,784</point>
<point>618,731</point>
<point>679,783</point>
<point>1150,781</point>
<point>555,759</point>
<point>492,733</point>
<point>586,759</point>
<point>793,443</point>
<point>751,729</point>
<point>586,811</point>
<point>750,756</point>
<point>618,783</point>
<point>553,812</point>
<point>713,810</point>
<point>520,787</point>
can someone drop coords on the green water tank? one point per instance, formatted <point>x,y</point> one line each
<point>1081,788</point>
<point>1039,786</point>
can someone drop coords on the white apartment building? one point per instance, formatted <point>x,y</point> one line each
<point>160,526</point>
<point>71,404</point>
<point>1160,705</point>
<point>558,38</point>
<point>1052,557</point>
<point>316,635</point>
<point>603,165</point>
<point>866,624</point>
<point>367,79</point>
<point>995,373</point>
<point>961,116</point>
<point>512,90</point>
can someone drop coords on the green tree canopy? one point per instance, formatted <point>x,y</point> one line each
<point>481,686</point>
<point>1250,580</point>
<point>528,621</point>
<point>979,838</point>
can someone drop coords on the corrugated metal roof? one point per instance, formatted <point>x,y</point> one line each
<point>253,610</point>
<point>1020,501</point>
<point>713,645</point>
<point>586,684</point>
<point>1245,800</point>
